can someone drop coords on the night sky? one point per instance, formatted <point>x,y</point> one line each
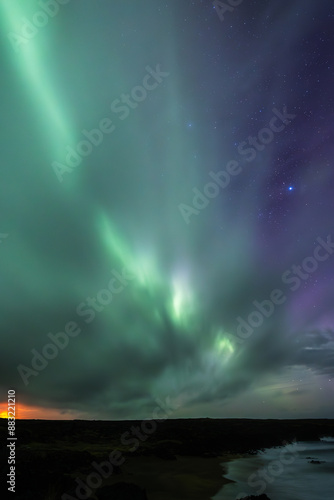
<point>166,220</point>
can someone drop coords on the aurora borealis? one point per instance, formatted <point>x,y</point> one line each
<point>115,114</point>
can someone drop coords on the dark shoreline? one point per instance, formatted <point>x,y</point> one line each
<point>176,459</point>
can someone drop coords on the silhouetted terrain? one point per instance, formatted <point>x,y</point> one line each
<point>139,460</point>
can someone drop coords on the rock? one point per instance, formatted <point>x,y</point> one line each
<point>164,453</point>
<point>253,497</point>
<point>121,491</point>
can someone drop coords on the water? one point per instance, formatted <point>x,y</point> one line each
<point>284,473</point>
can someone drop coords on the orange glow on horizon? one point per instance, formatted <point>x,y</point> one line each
<point>36,412</point>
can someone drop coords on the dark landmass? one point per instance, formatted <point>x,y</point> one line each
<point>260,497</point>
<point>139,460</point>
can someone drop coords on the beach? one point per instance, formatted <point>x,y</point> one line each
<point>186,477</point>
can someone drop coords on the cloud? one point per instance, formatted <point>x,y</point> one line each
<point>172,330</point>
